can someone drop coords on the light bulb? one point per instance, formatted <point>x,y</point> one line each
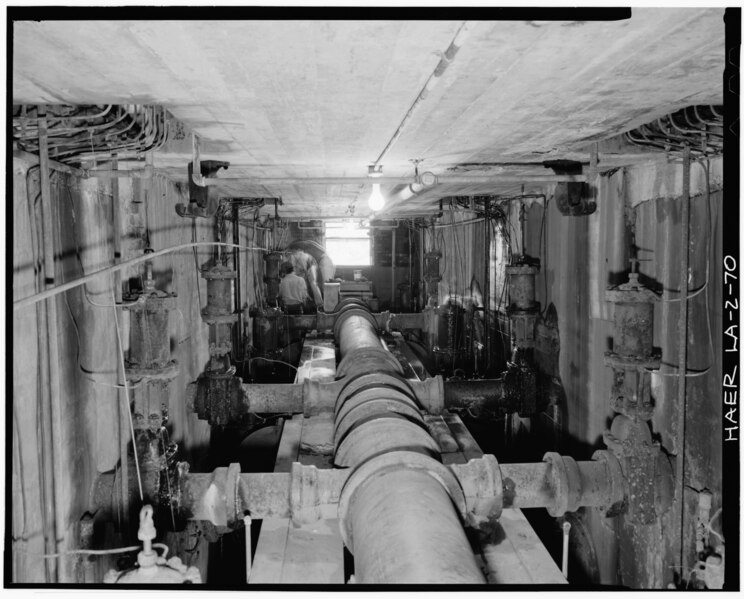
<point>376,200</point>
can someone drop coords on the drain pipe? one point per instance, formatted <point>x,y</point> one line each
<point>682,379</point>
<point>397,509</point>
<point>50,410</point>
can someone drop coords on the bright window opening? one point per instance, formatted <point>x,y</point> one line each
<point>348,243</point>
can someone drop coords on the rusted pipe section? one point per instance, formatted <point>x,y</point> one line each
<point>478,395</point>
<point>397,484</point>
<point>432,395</point>
<point>223,496</point>
<point>273,398</point>
<point>558,483</point>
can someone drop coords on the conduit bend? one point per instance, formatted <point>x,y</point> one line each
<point>400,509</point>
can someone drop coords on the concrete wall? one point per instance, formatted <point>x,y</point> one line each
<point>580,257</point>
<point>91,422</point>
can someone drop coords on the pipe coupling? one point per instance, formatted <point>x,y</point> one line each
<point>394,461</point>
<point>483,488</point>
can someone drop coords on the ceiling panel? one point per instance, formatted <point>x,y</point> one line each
<point>323,98</point>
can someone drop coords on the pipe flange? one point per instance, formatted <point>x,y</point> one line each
<point>375,379</point>
<point>352,310</point>
<point>575,486</point>
<point>168,372</point>
<point>219,318</point>
<point>430,394</point>
<point>397,398</point>
<point>155,302</point>
<point>349,301</point>
<point>361,357</point>
<point>219,272</point>
<point>232,496</point>
<point>382,433</point>
<point>522,269</point>
<point>483,487</point>
<point>615,360</point>
<point>391,462</point>
<point>366,407</point>
<point>616,497</point>
<point>559,478</point>
<point>304,502</point>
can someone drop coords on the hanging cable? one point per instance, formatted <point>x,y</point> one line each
<point>126,392</point>
<point>30,300</point>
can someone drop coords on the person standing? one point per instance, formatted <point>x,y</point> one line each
<point>292,290</point>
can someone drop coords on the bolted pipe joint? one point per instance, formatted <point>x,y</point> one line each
<point>389,505</point>
<point>582,484</point>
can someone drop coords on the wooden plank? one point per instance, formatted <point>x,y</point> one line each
<point>268,560</point>
<point>317,436</point>
<point>289,446</point>
<point>468,446</point>
<point>314,554</point>
<point>440,431</point>
<point>520,557</point>
<point>317,361</point>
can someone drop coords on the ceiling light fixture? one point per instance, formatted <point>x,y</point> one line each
<point>374,171</point>
<point>376,200</point>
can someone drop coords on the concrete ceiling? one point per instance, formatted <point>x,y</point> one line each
<point>323,98</point>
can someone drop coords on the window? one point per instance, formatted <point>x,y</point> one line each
<point>348,243</point>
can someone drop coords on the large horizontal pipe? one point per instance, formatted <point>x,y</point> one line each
<point>456,179</point>
<point>433,394</point>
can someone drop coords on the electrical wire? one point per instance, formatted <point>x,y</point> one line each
<point>126,392</point>
<point>270,360</point>
<point>30,300</point>
<point>115,550</point>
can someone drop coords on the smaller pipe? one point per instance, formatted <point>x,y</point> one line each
<point>682,344</point>
<point>33,160</point>
<point>50,396</point>
<point>137,173</point>
<point>393,303</point>
<point>564,565</point>
<point>248,556</point>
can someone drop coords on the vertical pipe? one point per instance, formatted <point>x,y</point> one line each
<point>564,564</point>
<point>394,303</point>
<point>422,282</point>
<point>682,379</point>
<point>487,288</point>
<point>121,397</point>
<point>410,273</point>
<point>238,329</point>
<point>116,220</point>
<point>248,561</point>
<point>50,396</point>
